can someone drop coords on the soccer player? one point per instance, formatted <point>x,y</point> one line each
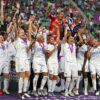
<point>95,63</point>
<point>82,61</point>
<point>39,65</point>
<point>22,46</point>
<point>70,63</point>
<point>52,64</point>
<point>4,64</point>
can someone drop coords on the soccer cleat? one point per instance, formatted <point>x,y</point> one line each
<point>70,94</point>
<point>45,91</point>
<point>35,93</point>
<point>76,93</point>
<point>53,94</point>
<point>97,93</point>
<point>21,96</point>
<point>66,94</point>
<point>27,95</point>
<point>0,92</point>
<point>42,92</point>
<point>39,92</point>
<point>85,93</point>
<point>50,94</point>
<point>6,91</point>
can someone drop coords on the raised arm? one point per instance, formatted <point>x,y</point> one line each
<point>31,45</point>
<point>15,28</point>
<point>30,30</point>
<point>65,34</point>
<point>2,12</point>
<point>50,52</point>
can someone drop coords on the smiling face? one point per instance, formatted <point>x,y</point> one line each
<point>22,34</point>
<point>51,40</point>
<point>95,42</point>
<point>70,40</point>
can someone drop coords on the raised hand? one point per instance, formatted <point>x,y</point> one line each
<point>2,3</point>
<point>17,5</point>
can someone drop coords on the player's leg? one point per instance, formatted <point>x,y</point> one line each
<point>26,83</point>
<point>78,82</point>
<point>67,74</point>
<point>6,77</point>
<point>85,83</point>
<point>20,85</point>
<point>36,70</point>
<point>50,82</point>
<point>74,73</point>
<point>43,82</point>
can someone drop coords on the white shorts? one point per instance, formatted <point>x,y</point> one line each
<point>22,65</point>
<point>80,66</point>
<point>62,64</point>
<point>70,69</point>
<point>53,68</point>
<point>39,66</point>
<point>4,67</point>
<point>95,69</point>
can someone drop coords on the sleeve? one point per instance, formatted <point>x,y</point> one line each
<point>51,17</point>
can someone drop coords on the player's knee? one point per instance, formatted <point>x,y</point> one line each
<point>37,74</point>
<point>6,75</point>
<point>45,74</point>
<point>27,74</point>
<point>51,77</point>
<point>94,76</point>
<point>22,74</point>
<point>55,77</point>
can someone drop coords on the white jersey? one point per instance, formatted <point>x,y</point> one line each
<point>70,56</point>
<point>4,51</point>
<point>38,50</point>
<point>62,50</point>
<point>11,49</point>
<point>53,56</point>
<point>95,56</point>
<point>21,47</point>
<point>81,52</point>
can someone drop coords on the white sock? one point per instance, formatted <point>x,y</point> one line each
<point>62,84</point>
<point>6,83</point>
<point>94,84</point>
<point>78,82</point>
<point>44,80</point>
<point>50,85</point>
<point>86,84</point>
<point>25,88</point>
<point>35,82</point>
<point>72,84</point>
<point>54,85</point>
<point>20,85</point>
<point>67,84</point>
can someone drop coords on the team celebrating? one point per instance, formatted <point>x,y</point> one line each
<point>63,50</point>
